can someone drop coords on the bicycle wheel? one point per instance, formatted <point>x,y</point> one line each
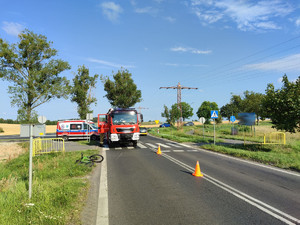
<point>96,158</point>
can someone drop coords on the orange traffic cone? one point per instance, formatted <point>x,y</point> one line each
<point>197,172</point>
<point>158,150</point>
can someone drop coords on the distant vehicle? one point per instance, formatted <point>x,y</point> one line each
<point>143,131</point>
<point>188,124</point>
<point>77,129</point>
<point>165,125</point>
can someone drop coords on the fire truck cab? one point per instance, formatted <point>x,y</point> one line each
<point>120,126</point>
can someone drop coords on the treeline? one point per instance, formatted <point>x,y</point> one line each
<point>11,121</point>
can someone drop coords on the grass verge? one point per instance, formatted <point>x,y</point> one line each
<point>58,185</point>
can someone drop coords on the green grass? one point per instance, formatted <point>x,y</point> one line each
<point>283,156</point>
<point>58,187</point>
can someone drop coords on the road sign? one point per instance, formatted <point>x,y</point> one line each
<point>42,119</point>
<point>156,121</point>
<point>247,119</point>
<point>232,118</point>
<point>202,120</point>
<point>89,116</point>
<point>214,114</point>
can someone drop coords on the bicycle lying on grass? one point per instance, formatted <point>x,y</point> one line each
<point>90,160</point>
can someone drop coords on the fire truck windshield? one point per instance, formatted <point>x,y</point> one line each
<point>124,118</point>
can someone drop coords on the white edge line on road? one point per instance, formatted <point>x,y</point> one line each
<point>241,160</point>
<point>102,210</point>
<point>247,198</point>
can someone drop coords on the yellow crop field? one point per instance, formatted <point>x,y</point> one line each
<point>14,129</point>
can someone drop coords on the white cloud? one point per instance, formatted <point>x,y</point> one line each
<point>297,22</point>
<point>184,65</point>
<point>288,63</point>
<point>190,50</point>
<point>247,14</point>
<point>109,64</point>
<point>170,19</point>
<point>111,10</point>
<point>12,28</point>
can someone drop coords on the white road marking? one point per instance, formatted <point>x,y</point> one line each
<point>163,145</point>
<point>151,145</point>
<point>172,144</point>
<point>184,145</point>
<point>178,150</point>
<point>102,211</point>
<point>141,146</point>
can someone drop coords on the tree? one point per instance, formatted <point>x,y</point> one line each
<point>283,105</point>
<point>171,115</point>
<point>205,110</point>
<point>122,92</point>
<point>227,110</point>
<point>252,102</point>
<point>187,110</point>
<point>30,67</point>
<point>83,84</point>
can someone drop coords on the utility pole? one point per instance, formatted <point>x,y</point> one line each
<point>178,87</point>
<point>140,109</point>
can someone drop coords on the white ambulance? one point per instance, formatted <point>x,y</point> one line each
<point>77,129</point>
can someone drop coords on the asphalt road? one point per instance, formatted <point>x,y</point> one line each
<point>137,186</point>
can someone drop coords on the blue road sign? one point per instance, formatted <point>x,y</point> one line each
<point>232,118</point>
<point>214,114</point>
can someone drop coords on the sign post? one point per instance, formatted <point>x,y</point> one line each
<point>30,161</point>
<point>89,116</point>
<point>202,120</point>
<point>214,115</point>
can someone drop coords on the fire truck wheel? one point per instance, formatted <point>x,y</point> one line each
<point>66,138</point>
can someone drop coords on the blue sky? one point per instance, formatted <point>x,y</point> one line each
<point>221,47</point>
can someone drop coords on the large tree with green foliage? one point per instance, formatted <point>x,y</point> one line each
<point>122,91</point>
<point>227,111</point>
<point>187,110</point>
<point>282,106</point>
<point>33,72</point>
<point>205,109</point>
<point>81,93</point>
<point>252,102</point>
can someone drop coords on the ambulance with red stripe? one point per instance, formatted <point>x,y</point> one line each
<point>77,129</point>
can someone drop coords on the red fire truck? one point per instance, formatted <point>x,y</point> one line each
<point>120,126</point>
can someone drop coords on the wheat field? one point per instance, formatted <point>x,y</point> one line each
<point>14,129</point>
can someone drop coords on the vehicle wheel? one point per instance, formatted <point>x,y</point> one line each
<point>134,144</point>
<point>94,138</point>
<point>111,144</point>
<point>66,138</point>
